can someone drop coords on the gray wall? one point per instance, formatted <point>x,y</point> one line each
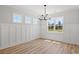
<point>71,27</point>
<point>11,33</point>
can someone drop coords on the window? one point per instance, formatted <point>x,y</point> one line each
<point>51,25</point>
<point>17,18</point>
<point>28,20</point>
<point>35,21</point>
<point>56,24</point>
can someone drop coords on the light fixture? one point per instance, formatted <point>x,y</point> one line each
<point>44,16</point>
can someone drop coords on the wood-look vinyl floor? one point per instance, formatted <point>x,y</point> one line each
<point>42,46</point>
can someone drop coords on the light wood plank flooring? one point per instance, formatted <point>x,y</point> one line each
<point>42,46</point>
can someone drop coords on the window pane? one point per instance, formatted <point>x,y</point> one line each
<point>59,24</point>
<point>51,25</point>
<point>28,20</point>
<point>17,18</point>
<point>35,21</point>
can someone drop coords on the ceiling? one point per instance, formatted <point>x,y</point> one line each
<point>37,10</point>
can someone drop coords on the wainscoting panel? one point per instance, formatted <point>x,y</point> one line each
<point>5,31</point>
<point>18,33</point>
<point>13,34</point>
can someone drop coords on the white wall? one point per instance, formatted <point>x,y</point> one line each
<point>71,27</point>
<point>11,33</point>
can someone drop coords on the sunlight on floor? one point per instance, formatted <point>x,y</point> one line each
<point>54,42</point>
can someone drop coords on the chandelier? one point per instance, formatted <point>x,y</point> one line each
<point>44,16</point>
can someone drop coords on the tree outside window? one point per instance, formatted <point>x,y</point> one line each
<point>55,24</point>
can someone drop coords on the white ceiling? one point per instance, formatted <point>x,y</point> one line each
<point>38,9</point>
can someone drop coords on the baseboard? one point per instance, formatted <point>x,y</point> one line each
<point>61,41</point>
<point>18,44</point>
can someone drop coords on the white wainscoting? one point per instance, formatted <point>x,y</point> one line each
<point>12,34</point>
